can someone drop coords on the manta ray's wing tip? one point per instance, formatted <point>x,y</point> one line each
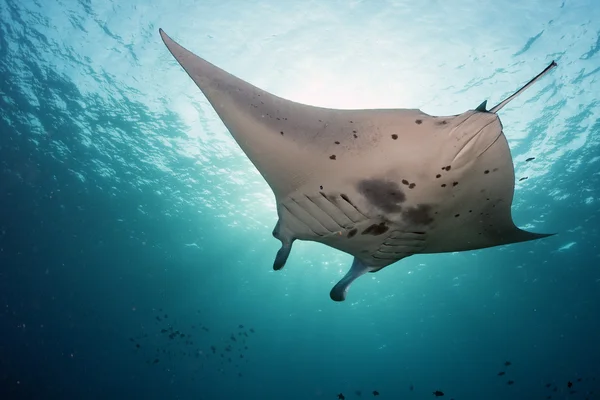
<point>163,35</point>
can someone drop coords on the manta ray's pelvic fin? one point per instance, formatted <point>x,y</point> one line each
<point>358,268</point>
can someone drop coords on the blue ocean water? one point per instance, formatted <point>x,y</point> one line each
<point>135,236</point>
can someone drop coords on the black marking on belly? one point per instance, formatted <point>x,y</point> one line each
<point>385,195</point>
<point>418,215</point>
<point>376,229</point>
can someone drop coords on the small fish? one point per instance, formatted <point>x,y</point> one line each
<point>523,178</point>
<point>501,373</point>
<point>510,382</point>
<point>507,363</point>
<point>375,393</point>
<point>530,159</point>
<point>569,384</point>
<point>341,396</point>
<point>438,393</point>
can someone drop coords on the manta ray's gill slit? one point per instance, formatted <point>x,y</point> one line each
<point>321,215</point>
<point>349,210</point>
<point>346,199</point>
<point>302,213</point>
<point>299,221</point>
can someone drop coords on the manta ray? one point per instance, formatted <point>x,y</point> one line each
<point>378,184</point>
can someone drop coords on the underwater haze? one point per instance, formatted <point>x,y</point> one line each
<point>136,250</point>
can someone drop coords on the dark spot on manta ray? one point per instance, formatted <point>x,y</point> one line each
<point>332,157</point>
<point>355,136</point>
<point>352,232</point>
<point>353,131</point>
<point>412,185</point>
<point>495,169</point>
<point>487,171</point>
<point>530,159</point>
<point>438,176</point>
<point>454,183</point>
<point>419,214</point>
<point>336,142</point>
<point>442,122</point>
<point>443,185</point>
<point>418,122</point>
<point>321,187</point>
<point>394,136</point>
<point>456,215</point>
<point>385,195</point>
<point>376,229</point>
<point>404,182</point>
<point>281,132</point>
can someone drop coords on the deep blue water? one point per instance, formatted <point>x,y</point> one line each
<point>128,213</point>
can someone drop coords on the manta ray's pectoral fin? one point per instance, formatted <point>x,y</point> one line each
<point>358,268</point>
<point>517,235</point>
<point>286,247</point>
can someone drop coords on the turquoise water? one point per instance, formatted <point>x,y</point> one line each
<point>128,213</point>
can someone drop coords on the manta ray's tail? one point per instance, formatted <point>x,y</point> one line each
<point>498,107</point>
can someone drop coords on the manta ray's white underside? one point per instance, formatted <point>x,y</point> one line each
<point>380,184</point>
